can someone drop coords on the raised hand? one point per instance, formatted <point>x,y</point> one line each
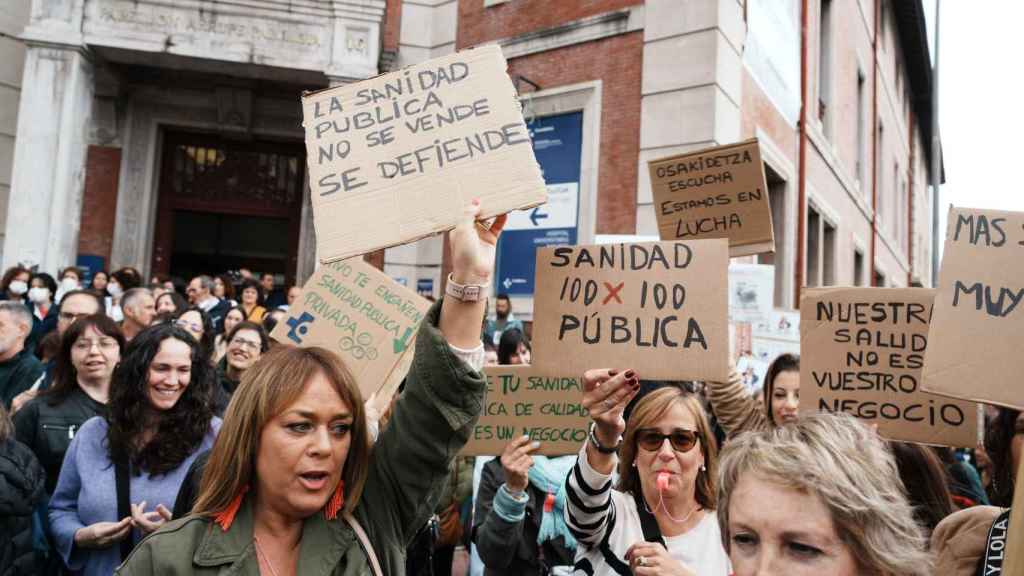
<point>606,393</point>
<point>516,461</point>
<point>473,245</point>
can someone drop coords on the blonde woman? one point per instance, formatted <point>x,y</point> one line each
<point>292,487</point>
<point>660,517</point>
<point>820,496</point>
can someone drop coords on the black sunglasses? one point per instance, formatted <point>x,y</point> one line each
<point>652,440</point>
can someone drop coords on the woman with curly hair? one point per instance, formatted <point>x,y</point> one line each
<point>159,419</point>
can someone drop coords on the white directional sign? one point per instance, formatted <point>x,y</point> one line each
<point>559,212</point>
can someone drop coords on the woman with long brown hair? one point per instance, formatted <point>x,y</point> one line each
<point>294,453</point>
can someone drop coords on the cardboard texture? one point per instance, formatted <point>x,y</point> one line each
<point>863,349</point>
<point>358,312</point>
<point>978,324</point>
<point>657,307</point>
<point>395,158</point>
<point>1014,563</point>
<point>718,192</point>
<point>524,400</point>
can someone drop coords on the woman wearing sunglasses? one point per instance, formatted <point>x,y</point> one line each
<point>660,517</point>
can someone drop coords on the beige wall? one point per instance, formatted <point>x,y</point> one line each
<point>13,18</point>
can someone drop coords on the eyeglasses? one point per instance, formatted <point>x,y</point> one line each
<point>242,342</point>
<point>652,440</point>
<point>86,345</point>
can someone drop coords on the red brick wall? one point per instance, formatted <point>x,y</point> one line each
<point>392,25</point>
<point>617,62</point>
<point>99,202</point>
<point>479,24</point>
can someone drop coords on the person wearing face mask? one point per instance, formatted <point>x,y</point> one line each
<point>44,312</point>
<point>70,280</point>
<point>660,518</point>
<point>14,285</point>
<point>19,369</point>
<point>88,353</point>
<point>121,281</point>
<point>159,418</point>
<point>738,411</point>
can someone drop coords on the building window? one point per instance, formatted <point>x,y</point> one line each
<point>858,268</point>
<point>821,250</point>
<point>825,65</point>
<point>777,202</point>
<point>861,133</point>
<point>879,279</point>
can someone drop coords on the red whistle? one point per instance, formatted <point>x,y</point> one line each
<point>549,503</point>
<point>662,481</point>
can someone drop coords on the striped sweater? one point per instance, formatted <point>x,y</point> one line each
<point>606,524</point>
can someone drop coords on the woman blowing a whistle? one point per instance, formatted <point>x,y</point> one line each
<point>660,517</point>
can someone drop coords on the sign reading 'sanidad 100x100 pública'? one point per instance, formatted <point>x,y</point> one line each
<point>395,158</point>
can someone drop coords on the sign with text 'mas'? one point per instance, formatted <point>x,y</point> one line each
<point>978,326</point>
<point>523,400</point>
<point>714,193</point>
<point>395,158</point>
<point>862,352</point>
<point>358,312</point>
<point>657,307</point>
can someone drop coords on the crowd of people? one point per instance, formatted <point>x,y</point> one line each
<point>150,429</point>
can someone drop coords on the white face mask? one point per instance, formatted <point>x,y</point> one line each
<point>114,289</point>
<point>18,287</point>
<point>39,295</point>
<point>69,284</point>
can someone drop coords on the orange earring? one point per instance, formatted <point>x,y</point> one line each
<point>336,502</point>
<point>226,517</point>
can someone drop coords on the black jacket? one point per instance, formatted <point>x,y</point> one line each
<point>21,489</point>
<point>224,389</point>
<point>47,430</point>
<point>18,374</point>
<point>511,548</point>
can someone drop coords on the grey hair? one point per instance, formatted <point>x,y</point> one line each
<point>849,468</point>
<point>206,282</point>
<point>130,297</point>
<point>18,310</point>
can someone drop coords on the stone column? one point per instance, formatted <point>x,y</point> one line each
<point>49,157</point>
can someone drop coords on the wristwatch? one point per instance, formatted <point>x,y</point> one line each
<point>464,292</point>
<point>601,448</point>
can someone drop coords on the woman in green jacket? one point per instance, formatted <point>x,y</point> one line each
<point>294,451</point>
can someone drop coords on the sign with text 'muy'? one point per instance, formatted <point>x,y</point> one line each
<point>863,349</point>
<point>714,193</point>
<point>523,400</point>
<point>358,312</point>
<point>974,347</point>
<point>658,307</point>
<point>395,158</point>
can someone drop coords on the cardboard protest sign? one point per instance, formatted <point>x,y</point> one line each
<point>978,326</point>
<point>863,349</point>
<point>357,311</point>
<point>523,400</point>
<point>658,307</point>
<point>715,193</point>
<point>395,158</point>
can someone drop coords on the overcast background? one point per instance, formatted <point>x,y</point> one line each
<point>981,114</point>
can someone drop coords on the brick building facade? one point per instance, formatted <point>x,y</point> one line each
<point>132,111</point>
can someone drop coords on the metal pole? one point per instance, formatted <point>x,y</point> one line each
<point>936,155</point>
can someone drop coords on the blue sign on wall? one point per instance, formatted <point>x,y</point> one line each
<point>558,146</point>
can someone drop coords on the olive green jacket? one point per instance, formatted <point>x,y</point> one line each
<point>409,465</point>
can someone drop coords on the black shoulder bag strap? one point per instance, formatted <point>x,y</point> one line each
<point>995,546</point>
<point>648,523</point>
<point>121,481</point>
